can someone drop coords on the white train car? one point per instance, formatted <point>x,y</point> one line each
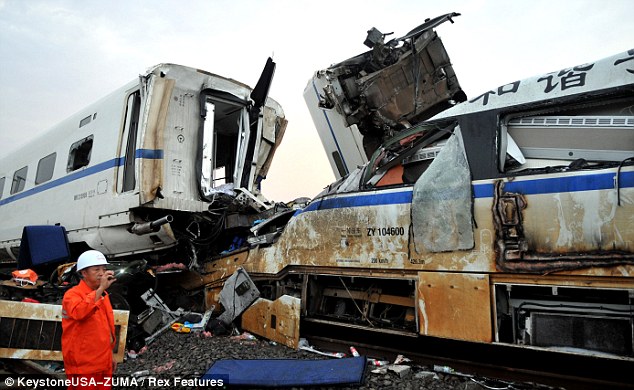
<point>138,170</point>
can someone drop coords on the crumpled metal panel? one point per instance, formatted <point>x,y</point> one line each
<point>33,331</point>
<point>378,93</point>
<point>411,87</point>
<point>237,295</point>
<point>272,134</point>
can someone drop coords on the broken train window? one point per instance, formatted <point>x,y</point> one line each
<point>575,138</point>
<point>403,159</point>
<point>79,154</point>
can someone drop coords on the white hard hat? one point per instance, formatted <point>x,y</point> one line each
<point>90,258</point>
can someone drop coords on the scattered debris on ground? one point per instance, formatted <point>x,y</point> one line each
<point>190,355</point>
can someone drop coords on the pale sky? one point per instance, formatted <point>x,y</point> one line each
<point>56,56</point>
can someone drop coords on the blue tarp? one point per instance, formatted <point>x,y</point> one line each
<point>288,372</point>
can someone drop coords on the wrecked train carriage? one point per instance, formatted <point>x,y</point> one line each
<point>161,167</point>
<point>166,170</point>
<point>508,219</point>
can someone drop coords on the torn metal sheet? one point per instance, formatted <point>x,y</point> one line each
<point>269,229</point>
<point>238,293</point>
<point>276,320</point>
<point>34,331</point>
<point>152,299</point>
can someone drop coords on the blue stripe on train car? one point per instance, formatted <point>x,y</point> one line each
<point>115,162</point>
<point>602,181</point>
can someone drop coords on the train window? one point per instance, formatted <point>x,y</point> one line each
<point>404,158</point>
<point>19,180</point>
<point>2,180</point>
<point>79,154</point>
<point>336,157</point>
<point>45,168</point>
<point>548,141</point>
<point>85,121</point>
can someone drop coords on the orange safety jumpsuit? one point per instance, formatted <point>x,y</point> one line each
<point>88,335</point>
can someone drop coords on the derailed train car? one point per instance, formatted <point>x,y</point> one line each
<point>506,218</point>
<point>159,175</point>
<point>155,165</point>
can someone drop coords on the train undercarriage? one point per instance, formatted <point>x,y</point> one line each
<point>576,316</point>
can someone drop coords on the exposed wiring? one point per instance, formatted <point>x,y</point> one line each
<point>355,303</point>
<point>617,178</point>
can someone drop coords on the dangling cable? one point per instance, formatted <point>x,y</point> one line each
<point>617,178</point>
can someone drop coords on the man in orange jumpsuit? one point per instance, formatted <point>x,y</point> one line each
<point>88,335</point>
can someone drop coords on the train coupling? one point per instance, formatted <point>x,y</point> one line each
<point>150,227</point>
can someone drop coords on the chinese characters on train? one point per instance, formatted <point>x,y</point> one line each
<point>562,80</point>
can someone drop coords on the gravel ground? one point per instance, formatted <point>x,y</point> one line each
<point>190,356</point>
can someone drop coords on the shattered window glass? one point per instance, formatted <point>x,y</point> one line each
<point>79,154</point>
<point>441,202</point>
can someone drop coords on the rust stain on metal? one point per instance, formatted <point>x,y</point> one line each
<point>33,331</point>
<point>562,280</point>
<point>276,320</point>
<point>371,296</point>
<point>517,253</point>
<point>311,239</point>
<point>455,305</point>
<point>212,298</point>
<point>280,124</point>
<point>152,169</point>
<point>221,268</point>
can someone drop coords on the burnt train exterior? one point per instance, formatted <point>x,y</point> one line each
<point>508,218</point>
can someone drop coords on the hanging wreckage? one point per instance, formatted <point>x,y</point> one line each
<point>507,218</point>
<point>381,92</point>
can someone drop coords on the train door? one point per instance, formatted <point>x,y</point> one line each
<point>225,137</point>
<point>126,180</point>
